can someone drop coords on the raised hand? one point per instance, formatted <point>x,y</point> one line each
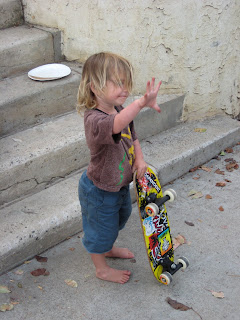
<point>150,97</point>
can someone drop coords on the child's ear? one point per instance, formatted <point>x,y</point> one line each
<point>93,88</point>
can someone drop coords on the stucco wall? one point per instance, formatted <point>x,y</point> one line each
<point>191,45</point>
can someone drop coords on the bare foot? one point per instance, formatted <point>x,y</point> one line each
<point>122,253</point>
<point>114,275</point>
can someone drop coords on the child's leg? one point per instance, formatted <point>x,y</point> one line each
<point>122,253</point>
<point>124,214</point>
<point>101,224</point>
<point>104,272</point>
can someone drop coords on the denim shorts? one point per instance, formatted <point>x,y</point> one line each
<point>104,214</point>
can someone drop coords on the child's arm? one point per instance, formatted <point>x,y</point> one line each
<point>149,99</point>
<point>139,163</point>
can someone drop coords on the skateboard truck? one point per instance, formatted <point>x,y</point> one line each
<point>171,268</point>
<point>154,203</point>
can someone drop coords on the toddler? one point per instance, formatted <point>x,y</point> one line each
<point>107,80</point>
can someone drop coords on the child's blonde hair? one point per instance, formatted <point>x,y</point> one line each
<point>97,70</point>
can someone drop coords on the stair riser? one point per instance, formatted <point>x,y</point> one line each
<point>35,108</point>
<point>34,176</point>
<point>21,55</point>
<point>10,13</point>
<point>149,122</point>
<point>170,171</point>
<point>27,238</point>
<point>24,251</point>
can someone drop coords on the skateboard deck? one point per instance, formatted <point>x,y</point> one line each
<point>155,225</point>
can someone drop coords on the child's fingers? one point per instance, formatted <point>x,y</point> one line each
<point>158,85</point>
<point>148,87</point>
<point>156,107</point>
<point>152,83</point>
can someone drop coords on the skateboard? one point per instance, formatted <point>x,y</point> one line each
<point>155,226</point>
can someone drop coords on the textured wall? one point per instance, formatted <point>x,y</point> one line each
<point>191,45</point>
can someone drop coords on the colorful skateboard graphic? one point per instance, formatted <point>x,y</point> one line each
<point>155,226</point>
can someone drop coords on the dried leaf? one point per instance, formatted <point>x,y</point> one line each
<point>178,241</point>
<point>19,285</point>
<point>177,305</point>
<point>41,259</point>
<point>221,208</point>
<point>19,272</point>
<point>206,169</point>
<point>189,223</point>
<point>180,238</point>
<point>229,150</point>
<point>6,307</point>
<point>197,195</point>
<point>231,166</point>
<point>14,302</point>
<point>208,196</point>
<point>230,160</point>
<point>71,283</point>
<point>192,192</point>
<point>219,295</point>
<point>197,177</point>
<point>194,169</point>
<point>40,272</point>
<point>221,184</point>
<point>71,249</point>
<point>4,289</point>
<point>200,130</point>
<point>218,171</point>
<point>227,180</point>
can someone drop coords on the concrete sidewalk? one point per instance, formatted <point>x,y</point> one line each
<point>212,248</point>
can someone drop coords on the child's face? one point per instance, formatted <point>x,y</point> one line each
<point>114,94</point>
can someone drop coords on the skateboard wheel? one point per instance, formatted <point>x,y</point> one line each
<point>166,278</point>
<point>151,209</point>
<point>174,193</point>
<point>184,261</point>
<point>171,193</point>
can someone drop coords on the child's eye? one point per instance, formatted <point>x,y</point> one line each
<point>120,83</point>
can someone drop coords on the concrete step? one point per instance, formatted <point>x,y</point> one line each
<point>11,13</point>
<point>23,48</point>
<point>24,102</point>
<point>175,151</point>
<point>54,214</point>
<point>33,159</point>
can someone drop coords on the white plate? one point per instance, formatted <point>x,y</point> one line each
<point>48,72</point>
